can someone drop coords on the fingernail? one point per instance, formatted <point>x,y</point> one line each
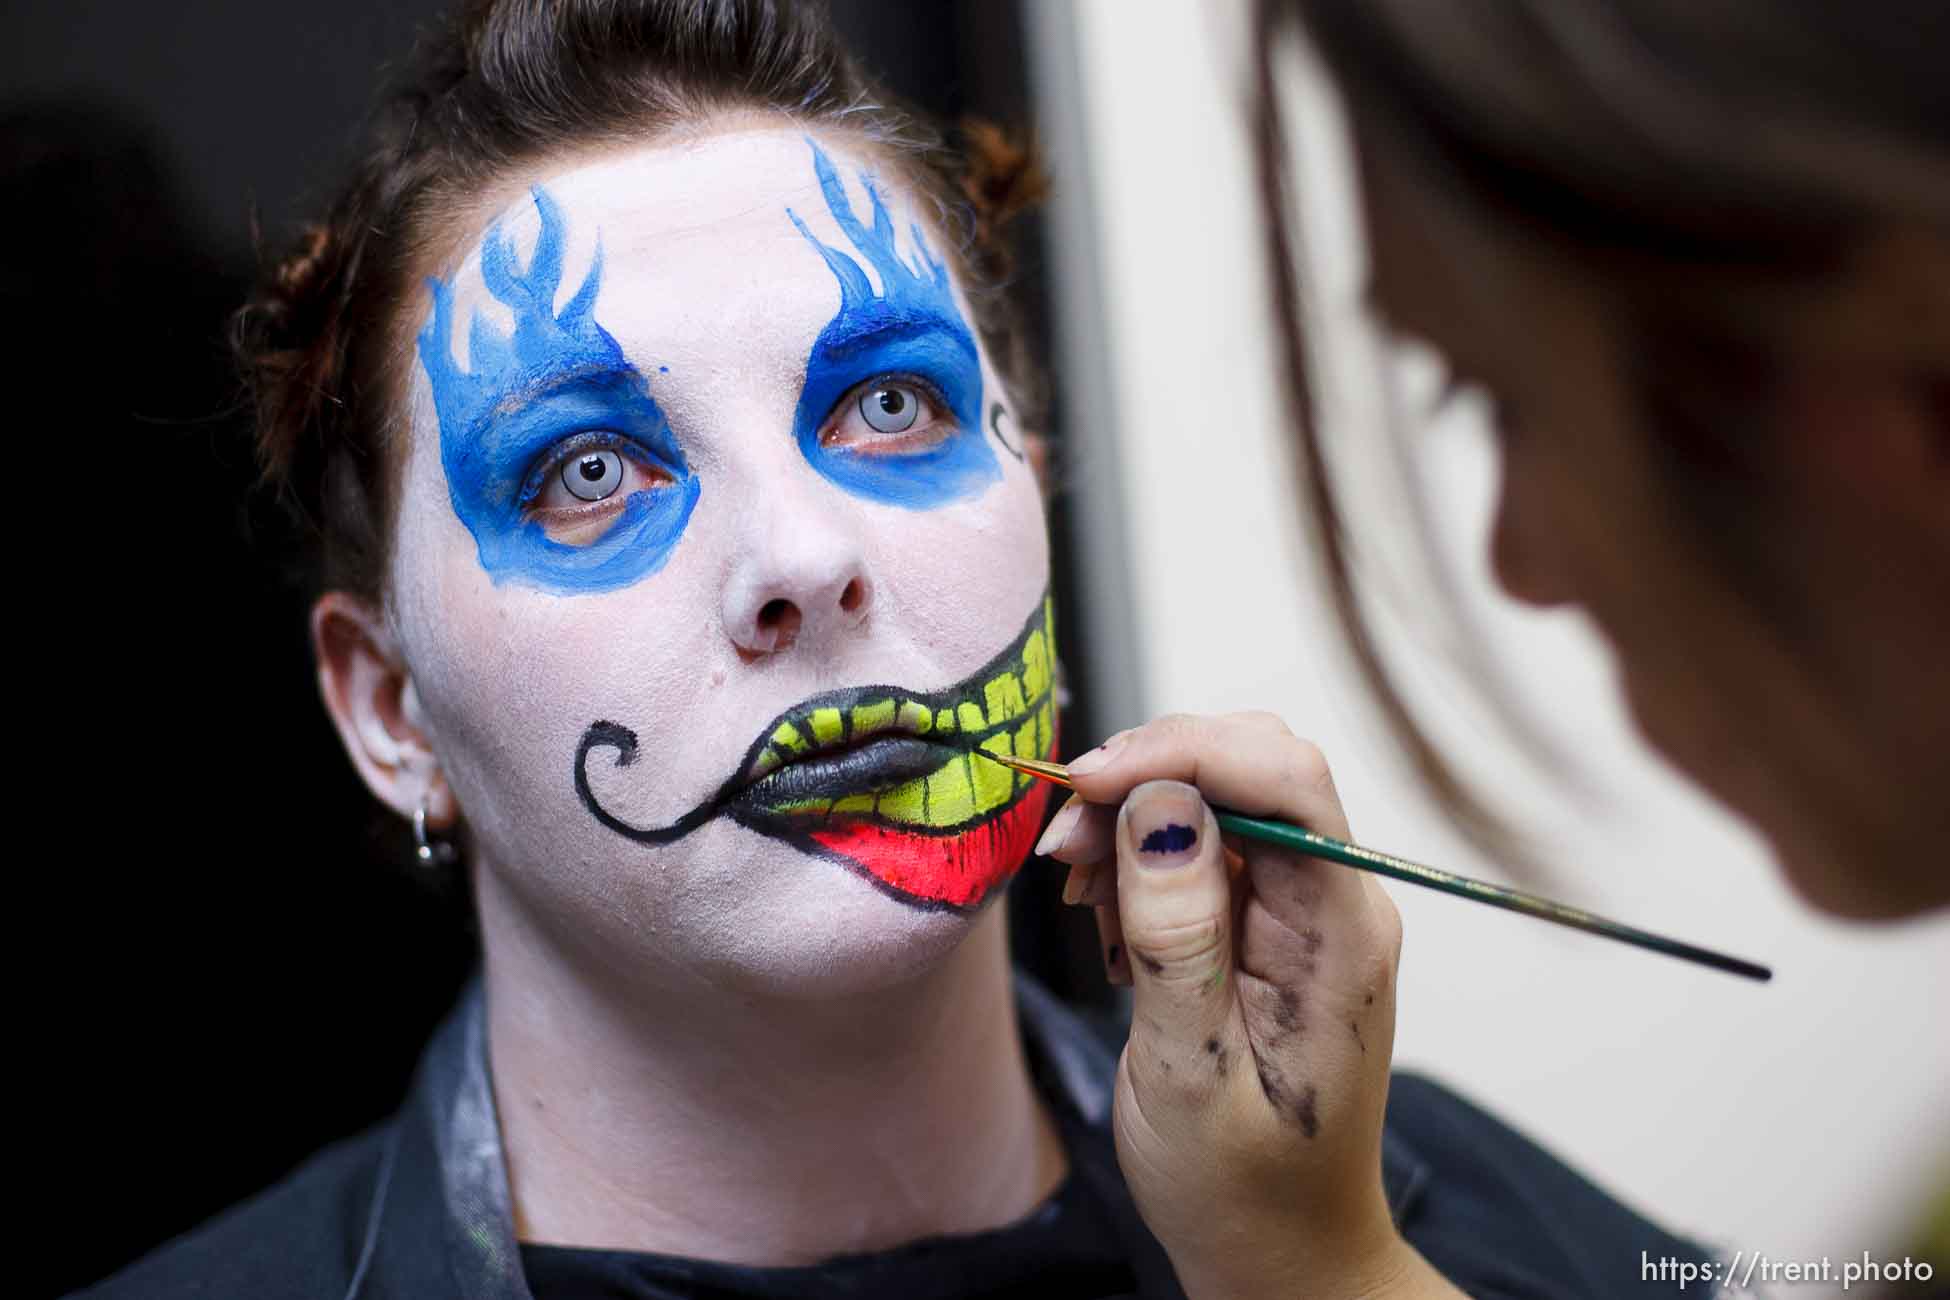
<point>1085,764</point>
<point>1059,828</point>
<point>1163,820</point>
<point>1078,882</point>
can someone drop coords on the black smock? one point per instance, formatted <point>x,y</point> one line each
<point>418,1209</point>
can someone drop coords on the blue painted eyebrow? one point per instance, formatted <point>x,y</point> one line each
<point>550,384</point>
<point>860,330</point>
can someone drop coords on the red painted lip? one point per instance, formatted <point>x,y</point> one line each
<point>958,870</point>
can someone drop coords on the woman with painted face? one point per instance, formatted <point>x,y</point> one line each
<point>678,552</point>
<point>1698,256</point>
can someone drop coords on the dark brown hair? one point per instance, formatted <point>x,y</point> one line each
<point>1702,161</point>
<point>503,85</point>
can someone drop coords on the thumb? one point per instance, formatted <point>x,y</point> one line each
<point>1174,898</point>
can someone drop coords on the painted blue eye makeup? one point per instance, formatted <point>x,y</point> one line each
<point>912,327</point>
<point>558,386</point>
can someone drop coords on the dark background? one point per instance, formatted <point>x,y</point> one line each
<point>226,958</point>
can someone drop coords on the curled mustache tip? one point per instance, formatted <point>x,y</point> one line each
<point>616,736</point>
<point>608,735</point>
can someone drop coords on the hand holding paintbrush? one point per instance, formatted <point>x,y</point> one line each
<point>1249,1098</point>
<point>1250,1094</point>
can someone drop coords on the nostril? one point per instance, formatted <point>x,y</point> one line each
<point>778,624</point>
<point>853,597</point>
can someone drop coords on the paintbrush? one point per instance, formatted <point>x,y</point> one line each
<point>1315,845</point>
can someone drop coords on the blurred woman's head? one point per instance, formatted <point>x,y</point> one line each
<point>1699,259</point>
<point>664,433</point>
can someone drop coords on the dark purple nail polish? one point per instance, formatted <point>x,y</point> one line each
<point>1169,838</point>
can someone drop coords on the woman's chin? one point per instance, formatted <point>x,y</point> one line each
<point>773,919</point>
<point>736,909</point>
<point>835,939</point>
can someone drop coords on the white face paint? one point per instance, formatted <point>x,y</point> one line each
<point>725,500</point>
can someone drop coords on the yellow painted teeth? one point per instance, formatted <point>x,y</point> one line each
<point>827,725</point>
<point>1015,716</point>
<point>949,794</point>
<point>1035,665</point>
<point>1005,700</point>
<point>906,803</point>
<point>994,783</point>
<point>869,718</point>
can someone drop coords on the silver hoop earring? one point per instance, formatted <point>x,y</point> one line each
<point>429,850</point>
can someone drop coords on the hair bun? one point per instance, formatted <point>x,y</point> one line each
<point>300,273</point>
<point>286,339</point>
<point>1003,177</point>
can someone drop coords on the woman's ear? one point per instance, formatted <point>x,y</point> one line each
<point>1036,448</point>
<point>1035,453</point>
<point>369,694</point>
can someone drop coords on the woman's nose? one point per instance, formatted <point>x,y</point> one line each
<point>795,584</point>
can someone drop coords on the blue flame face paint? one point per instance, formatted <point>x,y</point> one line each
<point>559,375</point>
<point>910,329</point>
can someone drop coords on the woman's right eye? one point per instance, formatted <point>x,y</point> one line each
<point>576,496</point>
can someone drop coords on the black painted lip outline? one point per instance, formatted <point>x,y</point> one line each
<point>605,734</point>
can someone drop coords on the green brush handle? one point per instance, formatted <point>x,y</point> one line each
<point>1301,840</point>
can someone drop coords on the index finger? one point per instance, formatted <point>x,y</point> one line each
<point>1250,763</point>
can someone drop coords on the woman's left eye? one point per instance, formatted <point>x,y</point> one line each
<point>888,418</point>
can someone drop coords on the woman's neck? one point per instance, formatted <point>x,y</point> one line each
<point>765,1132</point>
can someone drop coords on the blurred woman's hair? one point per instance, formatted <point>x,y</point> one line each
<point>1703,163</point>
<point>505,85</point>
